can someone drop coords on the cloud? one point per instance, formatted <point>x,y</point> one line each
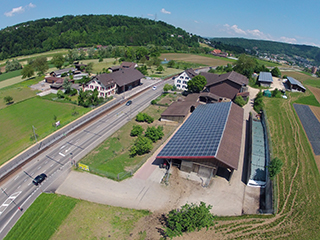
<point>165,11</point>
<point>150,15</point>
<point>18,10</point>
<point>196,21</point>
<point>288,40</point>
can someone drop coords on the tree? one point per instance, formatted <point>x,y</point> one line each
<point>89,67</point>
<point>13,65</point>
<point>171,64</point>
<point>154,134</point>
<point>8,99</point>
<point>142,145</point>
<point>137,130</point>
<point>143,60</point>
<point>258,102</point>
<point>245,65</point>
<point>67,86</point>
<point>276,72</point>
<point>274,167</point>
<point>160,68</point>
<point>167,87</point>
<point>189,218</point>
<point>58,60</point>
<point>27,71</point>
<point>140,117</point>
<point>41,65</point>
<point>196,84</point>
<point>143,70</point>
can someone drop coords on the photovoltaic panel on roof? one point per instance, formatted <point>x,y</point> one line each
<point>201,134</point>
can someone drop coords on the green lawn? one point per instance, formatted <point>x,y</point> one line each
<point>5,76</point>
<point>313,82</point>
<point>112,156</point>
<point>43,217</point>
<point>17,121</point>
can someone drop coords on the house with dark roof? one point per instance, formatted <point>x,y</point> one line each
<point>226,85</point>
<point>265,79</point>
<point>182,79</point>
<point>294,85</point>
<point>59,72</point>
<point>108,84</point>
<point>123,65</point>
<point>209,140</point>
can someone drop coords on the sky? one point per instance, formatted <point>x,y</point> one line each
<point>292,21</point>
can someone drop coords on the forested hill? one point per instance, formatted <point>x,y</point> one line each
<point>89,30</point>
<point>262,46</point>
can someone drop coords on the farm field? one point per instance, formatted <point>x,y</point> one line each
<point>299,76</point>
<point>5,76</point>
<point>111,159</point>
<point>206,61</point>
<point>18,119</point>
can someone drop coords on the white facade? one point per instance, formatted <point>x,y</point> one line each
<point>181,81</point>
<point>104,91</point>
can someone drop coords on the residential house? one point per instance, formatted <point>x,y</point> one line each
<point>123,66</point>
<point>182,79</point>
<point>59,72</point>
<point>227,85</point>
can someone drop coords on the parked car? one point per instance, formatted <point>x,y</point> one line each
<point>129,103</point>
<point>154,87</point>
<point>39,179</point>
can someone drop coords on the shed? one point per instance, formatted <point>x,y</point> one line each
<point>265,79</point>
<point>267,93</point>
<point>295,85</point>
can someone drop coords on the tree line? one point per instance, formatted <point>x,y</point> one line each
<point>91,30</point>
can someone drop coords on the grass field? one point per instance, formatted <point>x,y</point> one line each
<point>43,217</point>
<point>18,119</point>
<point>112,156</point>
<point>5,76</point>
<point>299,76</point>
<point>193,58</point>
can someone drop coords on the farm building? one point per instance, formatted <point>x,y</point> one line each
<point>295,85</point>
<point>226,85</point>
<point>182,79</point>
<point>60,72</point>
<point>209,139</point>
<point>265,79</point>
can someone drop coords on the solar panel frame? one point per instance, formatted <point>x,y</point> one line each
<point>201,134</point>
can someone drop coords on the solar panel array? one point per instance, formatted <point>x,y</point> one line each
<point>265,77</point>
<point>201,134</point>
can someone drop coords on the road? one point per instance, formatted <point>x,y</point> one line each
<point>56,162</point>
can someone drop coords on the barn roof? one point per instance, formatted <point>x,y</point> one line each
<point>295,82</point>
<point>265,77</point>
<point>212,131</point>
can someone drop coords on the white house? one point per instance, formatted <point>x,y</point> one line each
<point>181,80</point>
<point>105,88</point>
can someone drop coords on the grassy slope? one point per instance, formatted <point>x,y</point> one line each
<point>5,76</point>
<point>43,217</point>
<point>18,119</point>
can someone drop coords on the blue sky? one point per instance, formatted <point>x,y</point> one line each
<point>277,20</point>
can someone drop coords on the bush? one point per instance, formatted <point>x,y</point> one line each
<point>60,94</point>
<point>140,117</point>
<point>188,219</point>
<point>142,145</point>
<point>143,117</point>
<point>154,134</point>
<point>136,130</point>
<point>274,167</point>
<point>153,102</point>
<point>239,101</point>
<point>258,102</point>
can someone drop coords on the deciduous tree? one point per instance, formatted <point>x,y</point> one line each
<point>196,84</point>
<point>27,71</point>
<point>58,60</point>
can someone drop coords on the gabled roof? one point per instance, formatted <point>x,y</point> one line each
<point>128,65</point>
<point>191,73</point>
<point>179,109</point>
<point>212,131</point>
<point>265,77</point>
<point>232,76</point>
<point>121,77</point>
<point>65,70</point>
<point>295,82</point>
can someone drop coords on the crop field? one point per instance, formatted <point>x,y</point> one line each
<point>43,217</point>
<point>5,76</point>
<point>112,156</point>
<point>18,119</point>
<point>206,61</point>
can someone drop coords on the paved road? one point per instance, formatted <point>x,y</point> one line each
<point>18,191</point>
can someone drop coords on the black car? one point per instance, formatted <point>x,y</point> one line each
<point>39,179</point>
<point>129,103</point>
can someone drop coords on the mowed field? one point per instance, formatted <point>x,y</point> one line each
<point>18,119</point>
<point>206,61</point>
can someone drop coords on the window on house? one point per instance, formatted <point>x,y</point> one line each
<point>91,86</point>
<point>178,85</point>
<point>184,86</point>
<point>187,78</point>
<point>181,77</point>
<point>185,82</point>
<point>97,88</point>
<point>102,94</point>
<point>178,81</point>
<point>102,88</point>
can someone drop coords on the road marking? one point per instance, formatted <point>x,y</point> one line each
<point>32,174</point>
<point>39,167</point>
<point>19,187</point>
<point>62,146</point>
<point>62,154</point>
<point>44,170</point>
<point>68,149</point>
<point>8,201</point>
<point>46,162</point>
<point>16,178</point>
<point>51,165</point>
<point>25,180</point>
<point>29,183</point>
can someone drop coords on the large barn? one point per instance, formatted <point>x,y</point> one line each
<point>208,140</point>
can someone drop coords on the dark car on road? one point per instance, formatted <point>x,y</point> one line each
<point>129,103</point>
<point>39,179</point>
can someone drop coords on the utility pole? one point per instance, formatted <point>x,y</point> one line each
<point>11,199</point>
<point>34,133</point>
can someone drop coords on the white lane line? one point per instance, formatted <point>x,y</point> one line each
<point>44,170</point>
<point>62,154</point>
<point>51,165</point>
<point>29,183</point>
<point>68,149</point>
<point>19,187</point>
<point>25,180</point>
<point>16,178</point>
<point>32,174</point>
<point>46,162</point>
<point>39,167</point>
<point>62,146</point>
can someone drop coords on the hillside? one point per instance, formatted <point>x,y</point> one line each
<point>269,47</point>
<point>90,30</point>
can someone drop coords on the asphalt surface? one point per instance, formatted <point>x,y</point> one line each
<point>19,192</point>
